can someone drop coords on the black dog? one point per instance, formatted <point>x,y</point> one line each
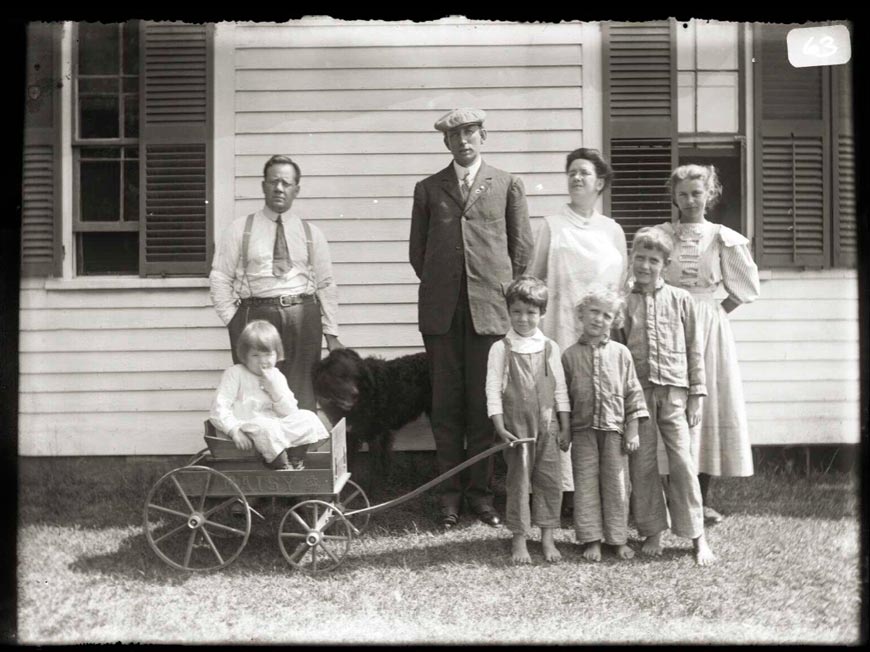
<point>376,396</point>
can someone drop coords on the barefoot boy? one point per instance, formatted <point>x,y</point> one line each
<point>525,384</point>
<point>661,333</point>
<point>606,405</point>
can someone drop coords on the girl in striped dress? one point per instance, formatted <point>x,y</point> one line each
<point>706,256</point>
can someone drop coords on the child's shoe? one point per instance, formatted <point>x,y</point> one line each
<point>297,464</point>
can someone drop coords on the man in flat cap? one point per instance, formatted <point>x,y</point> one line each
<point>470,237</point>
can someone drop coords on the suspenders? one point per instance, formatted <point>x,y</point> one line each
<point>246,240</point>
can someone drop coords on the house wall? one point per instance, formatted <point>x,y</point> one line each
<point>114,366</point>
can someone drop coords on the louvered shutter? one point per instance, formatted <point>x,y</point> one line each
<point>640,120</point>
<point>792,155</point>
<point>175,143</point>
<point>845,226</point>
<point>40,238</point>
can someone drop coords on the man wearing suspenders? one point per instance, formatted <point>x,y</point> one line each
<point>271,265</point>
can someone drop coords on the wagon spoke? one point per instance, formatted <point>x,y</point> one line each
<point>292,535</point>
<point>228,501</point>
<point>213,547</point>
<point>301,521</point>
<point>330,553</point>
<point>225,528</point>
<point>350,498</point>
<point>167,510</point>
<point>181,491</point>
<point>296,558</point>
<point>335,537</point>
<point>171,532</point>
<point>189,549</point>
<point>313,557</point>
<point>204,491</point>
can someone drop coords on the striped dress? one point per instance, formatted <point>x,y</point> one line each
<point>705,256</point>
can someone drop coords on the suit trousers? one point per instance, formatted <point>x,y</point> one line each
<point>457,366</point>
<point>667,419</point>
<point>301,335</point>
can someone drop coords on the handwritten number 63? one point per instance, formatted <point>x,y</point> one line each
<point>825,47</point>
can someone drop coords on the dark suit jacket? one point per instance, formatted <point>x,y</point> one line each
<point>489,236</point>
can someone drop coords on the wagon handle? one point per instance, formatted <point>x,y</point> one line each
<point>441,478</point>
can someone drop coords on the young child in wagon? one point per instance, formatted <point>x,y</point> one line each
<point>607,404</point>
<point>255,406</point>
<point>525,385</point>
<point>662,333</point>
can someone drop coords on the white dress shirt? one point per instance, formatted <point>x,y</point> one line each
<point>472,169</point>
<point>228,280</point>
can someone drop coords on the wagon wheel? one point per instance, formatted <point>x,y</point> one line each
<point>190,529</point>
<point>197,457</point>
<point>352,498</point>
<point>314,536</point>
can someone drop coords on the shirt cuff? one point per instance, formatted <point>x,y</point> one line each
<point>698,390</point>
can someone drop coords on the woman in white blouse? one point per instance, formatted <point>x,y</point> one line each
<point>574,249</point>
<point>705,256</point>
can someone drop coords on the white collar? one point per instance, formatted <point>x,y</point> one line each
<point>273,216</point>
<point>526,343</point>
<point>461,171</point>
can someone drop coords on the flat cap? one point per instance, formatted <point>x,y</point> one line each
<point>459,117</point>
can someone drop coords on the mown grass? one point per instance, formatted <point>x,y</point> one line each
<point>788,572</point>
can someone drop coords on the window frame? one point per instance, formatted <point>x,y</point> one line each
<point>79,144</point>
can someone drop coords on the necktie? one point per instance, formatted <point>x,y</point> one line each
<point>465,185</point>
<point>281,263</point>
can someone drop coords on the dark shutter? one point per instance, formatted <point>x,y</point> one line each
<point>640,120</point>
<point>845,226</point>
<point>175,144</point>
<point>792,155</point>
<point>40,237</point>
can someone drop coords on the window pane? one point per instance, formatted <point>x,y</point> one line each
<point>718,108</point>
<point>104,85</point>
<point>131,84</point>
<point>108,253</point>
<point>131,191</point>
<point>99,117</point>
<point>131,116</point>
<point>131,48</point>
<point>98,48</point>
<point>100,184</point>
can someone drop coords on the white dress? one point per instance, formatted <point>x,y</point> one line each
<point>572,253</point>
<point>241,400</point>
<point>706,255</point>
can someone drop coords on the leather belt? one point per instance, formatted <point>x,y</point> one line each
<point>284,300</point>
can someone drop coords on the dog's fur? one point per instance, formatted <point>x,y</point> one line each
<point>376,396</point>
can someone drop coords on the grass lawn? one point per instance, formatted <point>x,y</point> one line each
<point>788,572</point>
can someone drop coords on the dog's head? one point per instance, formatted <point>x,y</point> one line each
<point>337,380</point>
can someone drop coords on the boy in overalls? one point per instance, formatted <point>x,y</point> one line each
<point>525,384</point>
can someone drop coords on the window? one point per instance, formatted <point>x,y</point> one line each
<point>141,138</point>
<point>106,148</point>
<point>710,117</point>
<point>674,94</point>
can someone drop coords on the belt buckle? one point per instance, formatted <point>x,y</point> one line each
<point>291,300</point>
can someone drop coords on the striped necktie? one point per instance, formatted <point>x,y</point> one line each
<point>281,263</point>
<point>465,185</point>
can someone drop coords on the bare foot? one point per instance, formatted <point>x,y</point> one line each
<point>551,553</point>
<point>703,554</point>
<point>519,551</point>
<point>652,545</point>
<point>624,552</point>
<point>592,551</point>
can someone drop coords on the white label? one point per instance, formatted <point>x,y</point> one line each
<point>819,46</point>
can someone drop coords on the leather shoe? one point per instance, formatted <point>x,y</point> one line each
<point>448,521</point>
<point>489,518</point>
